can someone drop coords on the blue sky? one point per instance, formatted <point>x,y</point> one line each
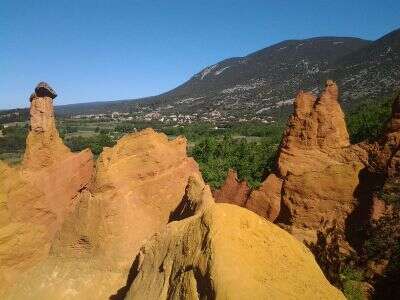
<point>108,50</point>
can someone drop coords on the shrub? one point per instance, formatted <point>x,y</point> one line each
<point>250,159</point>
<point>368,119</point>
<point>351,279</point>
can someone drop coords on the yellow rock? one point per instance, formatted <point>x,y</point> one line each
<point>227,252</point>
<point>36,196</point>
<point>139,183</point>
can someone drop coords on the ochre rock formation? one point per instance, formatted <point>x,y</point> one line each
<point>326,181</point>
<point>319,168</point>
<point>315,133</point>
<point>44,147</point>
<point>227,252</point>
<point>72,231</point>
<point>233,191</point>
<point>37,196</point>
<point>264,201</point>
<point>138,185</point>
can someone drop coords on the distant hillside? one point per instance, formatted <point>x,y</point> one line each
<point>264,83</point>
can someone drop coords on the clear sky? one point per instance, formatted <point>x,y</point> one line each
<point>107,50</point>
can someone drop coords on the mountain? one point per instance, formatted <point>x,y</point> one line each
<point>263,84</point>
<point>372,70</point>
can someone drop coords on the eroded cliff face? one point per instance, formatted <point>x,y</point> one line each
<point>329,194</point>
<point>137,185</point>
<point>39,194</point>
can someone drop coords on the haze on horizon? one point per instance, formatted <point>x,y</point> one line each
<point>101,50</point>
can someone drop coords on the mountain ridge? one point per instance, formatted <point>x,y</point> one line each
<point>262,84</point>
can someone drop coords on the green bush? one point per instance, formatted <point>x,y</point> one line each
<point>352,283</point>
<point>367,121</point>
<point>13,139</point>
<point>390,192</point>
<point>250,159</point>
<point>95,143</point>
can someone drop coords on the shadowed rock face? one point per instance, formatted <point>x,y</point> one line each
<point>39,194</point>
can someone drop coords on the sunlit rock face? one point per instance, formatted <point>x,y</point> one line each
<point>40,193</point>
<point>317,170</point>
<point>137,185</point>
<point>142,224</point>
<point>227,252</point>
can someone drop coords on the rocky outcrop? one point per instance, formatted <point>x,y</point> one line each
<point>44,146</point>
<point>264,201</point>
<point>315,134</point>
<point>69,233</point>
<point>38,195</point>
<point>233,191</point>
<point>227,252</point>
<point>138,186</point>
<point>208,250</point>
<point>317,169</point>
<point>139,183</point>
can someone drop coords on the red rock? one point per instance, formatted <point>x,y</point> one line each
<point>320,171</point>
<point>266,201</point>
<point>378,208</point>
<point>233,190</point>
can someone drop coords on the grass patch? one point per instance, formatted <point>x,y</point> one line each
<point>351,279</point>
